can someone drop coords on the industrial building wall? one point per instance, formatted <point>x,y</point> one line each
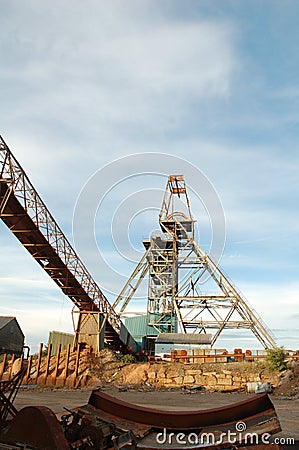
<point>58,337</point>
<point>88,330</point>
<point>136,326</point>
<point>138,329</point>
<point>131,342</point>
<point>11,338</point>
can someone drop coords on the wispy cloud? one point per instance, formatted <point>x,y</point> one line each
<point>82,85</point>
<point>127,70</point>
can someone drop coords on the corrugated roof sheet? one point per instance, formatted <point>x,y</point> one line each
<point>137,325</point>
<point>4,320</point>
<point>59,337</point>
<point>184,338</point>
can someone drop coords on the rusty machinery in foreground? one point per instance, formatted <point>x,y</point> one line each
<point>109,423</point>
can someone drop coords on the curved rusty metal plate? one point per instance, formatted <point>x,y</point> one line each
<point>180,419</point>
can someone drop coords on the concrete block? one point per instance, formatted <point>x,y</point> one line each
<point>237,379</point>
<point>188,379</point>
<point>210,381</point>
<point>179,380</point>
<point>225,381</point>
<point>191,372</point>
<point>199,379</point>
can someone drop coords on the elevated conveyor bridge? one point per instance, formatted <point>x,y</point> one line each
<point>28,218</point>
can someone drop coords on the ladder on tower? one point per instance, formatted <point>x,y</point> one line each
<point>26,215</point>
<point>177,268</point>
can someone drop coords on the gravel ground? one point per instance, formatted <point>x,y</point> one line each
<point>287,408</point>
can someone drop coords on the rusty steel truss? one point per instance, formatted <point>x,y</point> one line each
<point>178,269</point>
<point>28,218</point>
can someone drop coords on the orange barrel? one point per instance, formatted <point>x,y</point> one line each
<point>183,353</point>
<point>248,355</point>
<point>173,355</point>
<point>238,354</point>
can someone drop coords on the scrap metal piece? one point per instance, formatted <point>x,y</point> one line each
<point>255,416</point>
<point>181,419</point>
<point>36,426</point>
<point>8,392</point>
<point>107,423</point>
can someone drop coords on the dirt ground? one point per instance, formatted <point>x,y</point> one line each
<point>287,408</point>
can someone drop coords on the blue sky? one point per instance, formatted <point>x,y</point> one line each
<point>214,83</point>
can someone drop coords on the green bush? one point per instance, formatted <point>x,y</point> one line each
<point>276,359</point>
<point>128,359</point>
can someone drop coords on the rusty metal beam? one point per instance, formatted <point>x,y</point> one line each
<point>27,216</point>
<point>180,419</point>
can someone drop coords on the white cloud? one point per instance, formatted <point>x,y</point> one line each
<point>127,70</point>
<point>274,304</point>
<point>85,83</point>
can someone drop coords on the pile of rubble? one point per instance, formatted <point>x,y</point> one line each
<point>289,384</point>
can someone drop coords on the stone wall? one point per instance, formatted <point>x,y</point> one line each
<point>216,377</point>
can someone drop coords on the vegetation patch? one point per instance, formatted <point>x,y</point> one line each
<point>276,359</point>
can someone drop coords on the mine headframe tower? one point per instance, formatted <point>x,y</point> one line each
<point>169,254</point>
<point>178,271</point>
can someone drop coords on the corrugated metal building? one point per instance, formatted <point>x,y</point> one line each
<point>139,326</point>
<point>58,337</point>
<point>166,342</point>
<point>11,336</point>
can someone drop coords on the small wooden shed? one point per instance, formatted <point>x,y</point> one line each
<point>11,336</point>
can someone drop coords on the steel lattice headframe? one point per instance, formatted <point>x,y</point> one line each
<point>176,264</point>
